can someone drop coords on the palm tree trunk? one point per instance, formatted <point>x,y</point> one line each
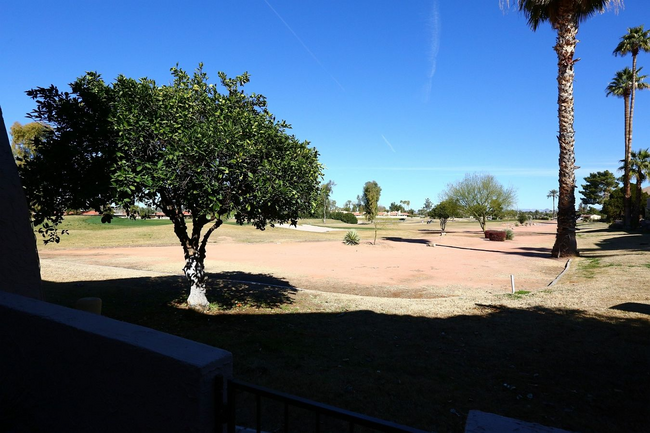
<point>628,148</point>
<point>627,193</point>
<point>636,210</point>
<point>567,28</point>
<point>553,213</point>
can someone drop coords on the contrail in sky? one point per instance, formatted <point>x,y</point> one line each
<point>434,47</point>
<point>303,44</point>
<point>388,143</point>
<point>505,171</point>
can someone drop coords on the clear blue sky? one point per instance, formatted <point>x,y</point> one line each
<point>412,94</point>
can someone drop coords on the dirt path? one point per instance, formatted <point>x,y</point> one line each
<point>458,264</point>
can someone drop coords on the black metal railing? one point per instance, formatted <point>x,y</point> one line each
<point>283,411</point>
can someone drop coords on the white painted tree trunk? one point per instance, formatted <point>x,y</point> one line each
<point>195,273</point>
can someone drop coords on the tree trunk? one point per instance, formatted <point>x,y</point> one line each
<point>627,193</point>
<point>636,210</point>
<point>375,241</point>
<point>553,213</point>
<point>567,28</point>
<point>628,148</point>
<point>195,272</point>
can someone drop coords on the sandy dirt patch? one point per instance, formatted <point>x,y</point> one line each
<point>458,264</point>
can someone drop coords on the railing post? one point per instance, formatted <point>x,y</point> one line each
<point>231,407</point>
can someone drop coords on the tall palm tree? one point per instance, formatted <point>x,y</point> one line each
<point>635,40</point>
<point>623,85</point>
<point>553,193</point>
<point>640,169</point>
<point>564,16</point>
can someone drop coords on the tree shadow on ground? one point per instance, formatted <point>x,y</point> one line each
<point>633,307</point>
<point>438,231</point>
<point>522,251</point>
<point>558,367</point>
<point>621,243</point>
<point>407,240</point>
<point>232,289</point>
<point>225,290</point>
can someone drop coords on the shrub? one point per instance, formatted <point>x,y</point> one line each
<point>345,217</point>
<point>351,238</point>
<point>522,218</point>
<point>349,218</point>
<point>496,235</point>
<point>510,235</point>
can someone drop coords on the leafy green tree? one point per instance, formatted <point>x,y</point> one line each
<point>613,208</point>
<point>178,147</point>
<point>622,86</point>
<point>71,166</point>
<point>598,187</point>
<point>22,139</point>
<point>426,207</point>
<point>360,207</point>
<point>371,194</point>
<point>552,194</point>
<point>564,17</point>
<point>480,196</point>
<point>394,207</point>
<point>443,211</point>
<point>323,208</point>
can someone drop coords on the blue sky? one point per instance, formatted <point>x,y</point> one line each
<point>411,94</point>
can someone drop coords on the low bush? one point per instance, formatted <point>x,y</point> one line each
<point>522,218</point>
<point>351,237</point>
<point>510,235</point>
<point>496,235</point>
<point>346,217</point>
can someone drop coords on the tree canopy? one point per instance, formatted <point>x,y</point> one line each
<point>23,137</point>
<point>443,211</point>
<point>371,194</point>
<point>182,147</point>
<point>480,196</point>
<point>598,187</point>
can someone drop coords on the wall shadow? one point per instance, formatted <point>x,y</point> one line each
<point>558,367</point>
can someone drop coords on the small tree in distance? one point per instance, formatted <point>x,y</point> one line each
<point>443,211</point>
<point>598,187</point>
<point>480,196</point>
<point>22,139</point>
<point>553,194</point>
<point>325,192</point>
<point>371,193</point>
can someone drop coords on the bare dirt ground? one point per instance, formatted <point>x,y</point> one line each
<point>408,332</point>
<point>458,264</point>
